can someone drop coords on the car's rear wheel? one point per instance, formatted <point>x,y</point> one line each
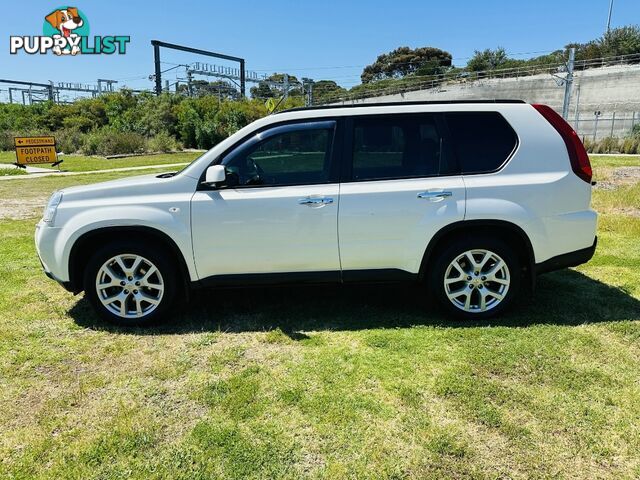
<point>130,285</point>
<point>476,278</point>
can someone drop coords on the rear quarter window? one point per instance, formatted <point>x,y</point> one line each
<point>482,141</point>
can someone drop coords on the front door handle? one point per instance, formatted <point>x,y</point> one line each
<point>315,201</point>
<point>434,196</point>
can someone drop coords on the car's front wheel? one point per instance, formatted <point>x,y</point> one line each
<point>130,285</point>
<point>476,278</point>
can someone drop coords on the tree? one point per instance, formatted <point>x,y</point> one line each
<point>262,91</point>
<point>620,41</point>
<point>487,59</point>
<point>617,41</point>
<point>219,88</point>
<point>326,91</point>
<point>274,87</point>
<point>405,61</point>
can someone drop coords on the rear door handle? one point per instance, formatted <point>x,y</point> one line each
<point>434,196</point>
<point>315,201</point>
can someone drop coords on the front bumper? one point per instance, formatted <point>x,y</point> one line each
<point>571,259</point>
<point>45,240</point>
<point>67,285</point>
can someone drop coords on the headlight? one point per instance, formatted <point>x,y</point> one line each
<point>49,214</point>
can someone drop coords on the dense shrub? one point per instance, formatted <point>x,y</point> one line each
<point>6,140</point>
<point>112,142</point>
<point>123,122</point>
<point>608,145</point>
<point>163,142</point>
<point>588,144</point>
<point>630,145</point>
<point>69,140</point>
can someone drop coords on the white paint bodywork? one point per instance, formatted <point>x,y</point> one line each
<point>370,225</point>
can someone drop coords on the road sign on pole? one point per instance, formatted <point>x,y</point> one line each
<point>35,150</point>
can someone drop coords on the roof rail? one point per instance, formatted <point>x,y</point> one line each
<point>391,104</point>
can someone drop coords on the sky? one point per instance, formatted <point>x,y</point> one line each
<point>327,39</point>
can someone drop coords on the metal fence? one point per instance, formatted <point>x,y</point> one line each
<point>594,126</point>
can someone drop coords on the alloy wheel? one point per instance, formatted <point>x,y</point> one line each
<point>129,286</point>
<point>477,280</point>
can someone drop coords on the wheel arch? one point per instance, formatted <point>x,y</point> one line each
<point>85,245</point>
<point>503,228</point>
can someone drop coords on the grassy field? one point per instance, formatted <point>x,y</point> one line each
<point>79,163</point>
<point>359,382</point>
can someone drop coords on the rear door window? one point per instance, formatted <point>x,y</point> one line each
<point>397,146</point>
<point>482,141</point>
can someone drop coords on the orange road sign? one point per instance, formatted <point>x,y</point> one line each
<point>34,150</point>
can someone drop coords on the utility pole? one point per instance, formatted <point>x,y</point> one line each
<point>156,63</point>
<point>189,81</point>
<point>568,83</point>
<point>609,17</point>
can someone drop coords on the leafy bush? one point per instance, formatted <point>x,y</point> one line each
<point>121,122</point>
<point>163,142</point>
<point>69,140</point>
<point>111,142</point>
<point>6,140</point>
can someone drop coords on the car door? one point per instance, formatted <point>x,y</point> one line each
<point>400,187</point>
<point>277,213</point>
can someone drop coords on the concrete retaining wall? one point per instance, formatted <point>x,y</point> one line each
<point>613,91</point>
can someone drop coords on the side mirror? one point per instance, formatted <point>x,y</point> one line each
<point>215,174</point>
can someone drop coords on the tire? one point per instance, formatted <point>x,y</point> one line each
<point>480,289</point>
<point>131,284</point>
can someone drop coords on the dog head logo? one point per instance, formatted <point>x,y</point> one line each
<point>68,23</point>
<point>66,20</point>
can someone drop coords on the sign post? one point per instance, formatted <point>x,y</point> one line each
<point>36,150</point>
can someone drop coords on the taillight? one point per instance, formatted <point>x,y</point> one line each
<point>577,154</point>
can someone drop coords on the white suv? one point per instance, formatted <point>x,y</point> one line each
<point>472,198</point>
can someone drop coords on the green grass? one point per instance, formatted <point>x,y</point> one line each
<point>615,161</point>
<point>10,172</point>
<point>324,382</point>
<point>79,163</point>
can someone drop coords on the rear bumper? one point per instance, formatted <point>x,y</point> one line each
<point>571,259</point>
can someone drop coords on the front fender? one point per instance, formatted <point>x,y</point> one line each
<point>175,224</point>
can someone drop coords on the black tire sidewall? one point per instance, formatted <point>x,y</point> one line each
<point>448,254</point>
<point>157,256</point>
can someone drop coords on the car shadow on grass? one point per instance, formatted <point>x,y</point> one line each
<point>561,298</point>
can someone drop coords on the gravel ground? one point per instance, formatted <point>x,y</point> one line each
<point>620,176</point>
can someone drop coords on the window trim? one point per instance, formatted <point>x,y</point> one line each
<point>455,153</point>
<point>346,174</point>
<point>268,131</point>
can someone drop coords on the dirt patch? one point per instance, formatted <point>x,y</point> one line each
<point>630,211</point>
<point>620,176</point>
<point>14,209</point>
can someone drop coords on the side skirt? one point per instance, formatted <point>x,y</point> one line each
<point>311,278</point>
